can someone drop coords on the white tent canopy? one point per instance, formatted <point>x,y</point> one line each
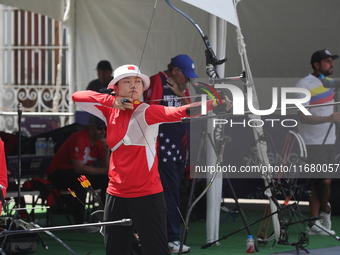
<point>223,9</point>
<point>280,35</point>
<point>117,31</point>
<point>51,8</point>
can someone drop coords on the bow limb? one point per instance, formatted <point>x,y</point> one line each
<point>207,89</point>
<point>211,58</point>
<point>218,149</point>
<point>188,214</point>
<point>199,197</point>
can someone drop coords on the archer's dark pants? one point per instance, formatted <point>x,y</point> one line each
<point>148,215</point>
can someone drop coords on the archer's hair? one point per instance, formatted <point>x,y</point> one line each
<point>171,67</point>
<point>315,62</point>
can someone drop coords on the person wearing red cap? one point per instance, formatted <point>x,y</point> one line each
<point>169,88</point>
<point>319,135</point>
<point>135,190</point>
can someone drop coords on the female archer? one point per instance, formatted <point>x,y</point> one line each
<point>134,190</point>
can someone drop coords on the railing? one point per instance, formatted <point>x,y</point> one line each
<point>33,56</point>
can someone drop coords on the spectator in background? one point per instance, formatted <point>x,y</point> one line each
<point>83,153</point>
<point>319,135</point>
<point>104,73</point>
<point>168,88</point>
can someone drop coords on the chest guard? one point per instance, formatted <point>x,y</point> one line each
<point>139,132</point>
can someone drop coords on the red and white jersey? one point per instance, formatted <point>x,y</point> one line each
<point>130,171</point>
<point>77,147</point>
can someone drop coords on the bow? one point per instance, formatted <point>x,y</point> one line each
<point>211,59</point>
<point>257,130</point>
<point>211,62</point>
<point>31,226</point>
<point>219,138</point>
<point>248,82</point>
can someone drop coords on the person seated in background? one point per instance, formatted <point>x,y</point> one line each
<point>84,153</point>
<point>104,73</point>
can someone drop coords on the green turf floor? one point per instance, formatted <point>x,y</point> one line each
<point>234,244</point>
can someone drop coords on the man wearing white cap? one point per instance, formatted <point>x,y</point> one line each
<point>169,88</point>
<point>135,190</point>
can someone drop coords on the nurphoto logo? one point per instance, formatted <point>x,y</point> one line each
<point>239,103</point>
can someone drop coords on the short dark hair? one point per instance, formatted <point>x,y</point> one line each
<point>171,67</point>
<point>104,65</point>
<point>95,121</point>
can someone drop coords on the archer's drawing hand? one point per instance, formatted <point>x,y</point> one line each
<point>176,88</point>
<point>123,103</point>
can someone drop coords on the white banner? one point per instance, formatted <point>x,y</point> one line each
<point>223,9</point>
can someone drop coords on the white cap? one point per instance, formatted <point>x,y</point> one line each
<point>126,71</point>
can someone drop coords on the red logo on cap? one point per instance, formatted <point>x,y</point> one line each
<point>131,68</point>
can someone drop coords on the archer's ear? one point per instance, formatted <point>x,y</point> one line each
<point>116,90</point>
<point>316,65</point>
